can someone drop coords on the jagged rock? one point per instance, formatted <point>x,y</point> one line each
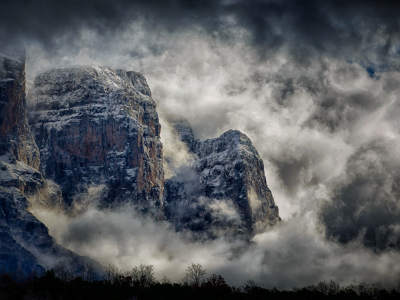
<point>95,125</point>
<point>226,177</point>
<point>25,243</point>
<point>16,138</point>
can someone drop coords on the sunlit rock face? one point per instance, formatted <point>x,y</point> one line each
<point>95,125</point>
<point>224,189</point>
<point>25,243</point>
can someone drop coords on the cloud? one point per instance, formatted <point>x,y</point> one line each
<point>291,254</point>
<point>293,76</point>
<point>366,204</point>
<point>365,28</point>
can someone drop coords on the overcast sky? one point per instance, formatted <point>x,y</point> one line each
<point>314,84</point>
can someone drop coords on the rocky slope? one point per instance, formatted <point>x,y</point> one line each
<point>224,189</point>
<point>25,243</point>
<point>95,125</point>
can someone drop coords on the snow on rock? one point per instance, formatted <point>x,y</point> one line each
<point>96,125</point>
<point>227,173</point>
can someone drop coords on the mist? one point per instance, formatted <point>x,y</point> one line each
<point>315,92</point>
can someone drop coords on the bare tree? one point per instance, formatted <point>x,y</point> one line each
<point>112,274</point>
<point>90,272</point>
<point>165,280</point>
<point>142,275</point>
<point>216,282</point>
<point>63,271</point>
<point>87,271</point>
<point>250,286</point>
<point>334,288</point>
<point>323,287</point>
<point>194,275</point>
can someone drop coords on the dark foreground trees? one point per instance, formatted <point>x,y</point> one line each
<point>140,283</point>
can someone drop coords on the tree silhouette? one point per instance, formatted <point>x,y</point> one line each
<point>142,276</point>
<point>194,275</point>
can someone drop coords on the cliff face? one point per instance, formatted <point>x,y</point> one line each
<point>15,136</point>
<point>99,126</point>
<point>225,183</point>
<point>25,242</point>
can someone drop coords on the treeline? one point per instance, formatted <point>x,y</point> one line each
<point>64,283</point>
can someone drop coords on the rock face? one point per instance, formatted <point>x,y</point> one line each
<point>25,243</point>
<point>95,125</point>
<point>15,136</point>
<point>224,187</point>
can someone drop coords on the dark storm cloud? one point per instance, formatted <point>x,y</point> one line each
<point>366,203</point>
<point>292,170</point>
<point>324,25</point>
<point>338,111</point>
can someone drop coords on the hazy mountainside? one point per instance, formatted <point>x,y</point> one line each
<point>223,189</point>
<point>95,125</point>
<point>25,242</point>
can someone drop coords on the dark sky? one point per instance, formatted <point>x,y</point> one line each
<point>314,84</point>
<point>335,26</point>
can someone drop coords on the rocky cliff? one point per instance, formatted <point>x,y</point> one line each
<point>95,125</point>
<point>16,139</point>
<point>25,243</point>
<point>224,189</point>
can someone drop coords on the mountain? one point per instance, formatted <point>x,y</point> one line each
<point>99,126</point>
<point>25,242</point>
<point>223,190</point>
<point>95,125</point>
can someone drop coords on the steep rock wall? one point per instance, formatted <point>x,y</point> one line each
<point>16,138</point>
<point>95,125</point>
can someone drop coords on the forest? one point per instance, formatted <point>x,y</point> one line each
<point>62,282</point>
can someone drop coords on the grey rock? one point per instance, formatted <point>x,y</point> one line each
<point>226,178</point>
<point>95,125</point>
<point>16,139</point>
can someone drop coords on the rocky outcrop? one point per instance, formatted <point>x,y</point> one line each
<point>224,188</point>
<point>16,139</point>
<point>25,243</point>
<point>95,125</point>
